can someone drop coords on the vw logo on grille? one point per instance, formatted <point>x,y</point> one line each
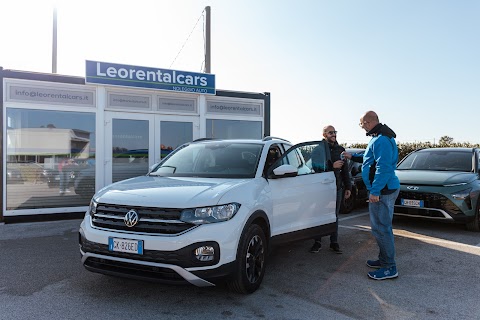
<point>412,188</point>
<point>131,218</point>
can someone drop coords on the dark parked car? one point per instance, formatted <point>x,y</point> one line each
<point>14,175</point>
<point>20,172</point>
<point>359,191</point>
<point>441,184</point>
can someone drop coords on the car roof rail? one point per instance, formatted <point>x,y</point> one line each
<point>268,138</point>
<point>204,139</point>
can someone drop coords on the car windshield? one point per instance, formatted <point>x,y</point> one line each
<point>438,160</point>
<point>212,160</point>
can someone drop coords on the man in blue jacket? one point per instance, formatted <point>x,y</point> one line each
<point>378,173</point>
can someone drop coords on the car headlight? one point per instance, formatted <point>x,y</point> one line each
<point>210,214</point>
<point>461,195</point>
<point>93,207</point>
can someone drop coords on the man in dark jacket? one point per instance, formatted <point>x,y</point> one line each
<point>344,184</point>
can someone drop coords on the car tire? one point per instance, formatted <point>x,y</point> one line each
<point>251,258</point>
<point>348,204</point>
<point>474,225</point>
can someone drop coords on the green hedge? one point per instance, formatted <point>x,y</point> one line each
<point>406,148</point>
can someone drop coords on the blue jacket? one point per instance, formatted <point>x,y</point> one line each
<point>379,163</point>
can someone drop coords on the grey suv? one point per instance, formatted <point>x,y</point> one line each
<point>441,184</point>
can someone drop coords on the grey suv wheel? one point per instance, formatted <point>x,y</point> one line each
<point>348,205</point>
<point>474,225</point>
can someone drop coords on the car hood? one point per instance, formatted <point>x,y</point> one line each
<point>434,178</point>
<point>168,192</point>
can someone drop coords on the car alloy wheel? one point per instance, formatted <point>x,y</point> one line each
<point>251,255</point>
<point>254,259</point>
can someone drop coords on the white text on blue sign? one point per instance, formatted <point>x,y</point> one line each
<point>146,77</point>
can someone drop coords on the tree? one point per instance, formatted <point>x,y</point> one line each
<point>445,140</point>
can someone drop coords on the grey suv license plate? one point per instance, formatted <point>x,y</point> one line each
<point>412,203</point>
<point>125,245</point>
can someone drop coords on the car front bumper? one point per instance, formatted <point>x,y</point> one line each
<point>166,259</point>
<point>437,206</point>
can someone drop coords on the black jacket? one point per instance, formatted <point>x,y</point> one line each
<point>342,175</point>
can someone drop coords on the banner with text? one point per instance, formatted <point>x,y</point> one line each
<point>146,77</point>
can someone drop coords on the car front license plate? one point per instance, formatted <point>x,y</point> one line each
<point>412,203</point>
<point>125,245</point>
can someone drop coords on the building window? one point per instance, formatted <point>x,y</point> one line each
<point>233,129</point>
<point>50,158</point>
<point>174,134</point>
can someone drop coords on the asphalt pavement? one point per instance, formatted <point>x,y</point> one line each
<point>41,277</point>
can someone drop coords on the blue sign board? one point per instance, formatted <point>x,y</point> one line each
<point>145,77</point>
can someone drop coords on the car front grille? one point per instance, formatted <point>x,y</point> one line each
<point>133,270</point>
<point>168,257</point>
<point>151,220</point>
<point>430,201</point>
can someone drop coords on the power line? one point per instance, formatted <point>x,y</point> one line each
<point>201,15</point>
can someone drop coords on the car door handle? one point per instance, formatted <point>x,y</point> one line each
<point>328,181</point>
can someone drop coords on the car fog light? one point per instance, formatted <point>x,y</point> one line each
<point>205,253</point>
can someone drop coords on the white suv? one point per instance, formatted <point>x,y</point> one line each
<point>210,211</point>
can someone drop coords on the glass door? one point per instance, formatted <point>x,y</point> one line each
<point>134,142</point>
<point>129,145</point>
<point>173,131</point>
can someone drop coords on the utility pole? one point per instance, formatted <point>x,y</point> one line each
<point>54,42</point>
<point>207,40</point>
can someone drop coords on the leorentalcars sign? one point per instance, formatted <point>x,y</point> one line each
<point>146,77</point>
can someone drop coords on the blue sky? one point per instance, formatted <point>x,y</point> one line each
<point>417,63</point>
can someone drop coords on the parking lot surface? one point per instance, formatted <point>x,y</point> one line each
<point>42,278</point>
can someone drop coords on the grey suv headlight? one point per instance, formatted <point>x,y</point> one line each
<point>461,195</point>
<point>210,214</point>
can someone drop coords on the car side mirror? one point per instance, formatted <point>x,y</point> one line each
<point>284,171</point>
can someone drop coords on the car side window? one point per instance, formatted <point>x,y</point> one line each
<point>309,157</point>
<point>318,158</point>
<point>294,159</point>
<point>274,153</point>
<point>478,161</point>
